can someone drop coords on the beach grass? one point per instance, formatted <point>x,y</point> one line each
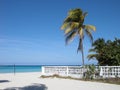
<point>101,80</point>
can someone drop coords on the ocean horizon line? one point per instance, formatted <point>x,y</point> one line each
<point>35,65</point>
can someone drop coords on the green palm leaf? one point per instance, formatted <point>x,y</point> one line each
<point>70,37</point>
<point>64,26</point>
<point>89,34</point>
<point>90,27</point>
<point>91,56</point>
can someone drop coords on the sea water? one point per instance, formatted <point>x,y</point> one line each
<point>19,68</point>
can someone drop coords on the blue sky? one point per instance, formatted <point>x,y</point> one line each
<point>30,30</point>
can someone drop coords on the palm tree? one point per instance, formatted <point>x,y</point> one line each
<point>97,51</point>
<point>73,25</point>
<point>105,52</point>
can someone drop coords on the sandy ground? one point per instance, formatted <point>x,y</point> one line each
<point>32,81</point>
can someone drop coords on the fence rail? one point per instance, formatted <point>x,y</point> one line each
<point>78,71</point>
<point>110,71</point>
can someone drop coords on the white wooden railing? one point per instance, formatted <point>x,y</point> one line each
<point>77,71</point>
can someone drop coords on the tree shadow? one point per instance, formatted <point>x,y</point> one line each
<point>3,81</point>
<point>31,87</point>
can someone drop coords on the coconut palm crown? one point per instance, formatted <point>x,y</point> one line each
<point>73,25</point>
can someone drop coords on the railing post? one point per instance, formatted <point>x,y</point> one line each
<point>43,70</point>
<point>101,71</point>
<point>67,70</point>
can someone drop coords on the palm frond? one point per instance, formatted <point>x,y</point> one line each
<point>90,27</point>
<point>68,19</point>
<point>89,34</point>
<point>68,30</point>
<point>74,25</point>
<point>74,15</point>
<point>75,12</point>
<point>64,26</point>
<point>92,50</point>
<point>91,56</point>
<point>70,37</point>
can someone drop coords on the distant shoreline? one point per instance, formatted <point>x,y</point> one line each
<point>24,68</point>
<point>37,65</point>
<point>19,68</point>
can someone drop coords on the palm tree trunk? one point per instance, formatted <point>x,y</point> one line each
<point>80,47</point>
<point>82,51</point>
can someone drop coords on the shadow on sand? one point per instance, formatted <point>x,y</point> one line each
<point>3,81</point>
<point>31,87</point>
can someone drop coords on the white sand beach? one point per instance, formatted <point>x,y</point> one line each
<point>32,81</point>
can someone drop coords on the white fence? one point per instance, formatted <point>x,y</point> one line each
<point>77,71</point>
<point>110,71</point>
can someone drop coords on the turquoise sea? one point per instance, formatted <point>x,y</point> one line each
<point>19,68</point>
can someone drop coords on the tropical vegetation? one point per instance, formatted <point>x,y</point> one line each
<point>90,72</point>
<point>106,52</point>
<point>73,25</point>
